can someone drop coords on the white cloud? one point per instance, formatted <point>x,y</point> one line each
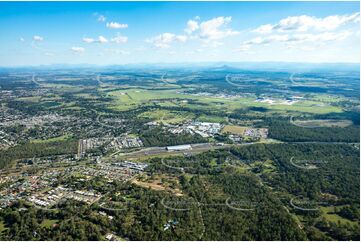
<point>115,25</point>
<point>102,40</point>
<point>181,38</point>
<point>316,39</point>
<point>264,29</point>
<point>119,39</point>
<point>191,26</point>
<point>22,39</point>
<point>305,23</point>
<point>164,40</point>
<point>208,31</point>
<point>267,40</point>
<point>322,37</point>
<point>214,29</point>
<point>101,18</point>
<point>38,38</point>
<point>77,50</point>
<point>89,40</point>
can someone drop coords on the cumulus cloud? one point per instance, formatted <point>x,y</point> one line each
<point>77,50</point>
<point>264,29</point>
<point>115,25</point>
<point>305,23</point>
<point>101,18</point>
<point>210,32</point>
<point>119,39</point>
<point>101,40</point>
<point>22,39</point>
<point>297,38</point>
<point>191,26</point>
<point>214,29</point>
<point>38,38</point>
<point>164,40</point>
<point>89,40</point>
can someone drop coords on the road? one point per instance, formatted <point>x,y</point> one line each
<point>231,83</point>
<point>35,81</point>
<point>291,79</point>
<point>99,81</point>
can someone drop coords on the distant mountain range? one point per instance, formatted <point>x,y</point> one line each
<point>226,66</point>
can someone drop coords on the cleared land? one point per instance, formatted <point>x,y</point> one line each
<point>329,215</point>
<point>165,116</point>
<point>159,183</point>
<point>234,129</point>
<point>322,123</point>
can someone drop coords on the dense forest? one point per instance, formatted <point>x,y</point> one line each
<point>285,131</point>
<point>159,137</point>
<point>29,150</point>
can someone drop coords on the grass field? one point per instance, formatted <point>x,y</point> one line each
<point>60,138</point>
<point>329,215</point>
<point>2,226</point>
<point>133,98</point>
<point>234,129</point>
<point>30,99</point>
<point>211,118</point>
<point>158,183</point>
<point>48,223</point>
<point>165,116</point>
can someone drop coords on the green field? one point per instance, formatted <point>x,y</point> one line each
<point>2,226</point>
<point>48,223</point>
<point>60,138</point>
<point>165,116</point>
<point>329,215</point>
<point>234,129</point>
<point>132,98</point>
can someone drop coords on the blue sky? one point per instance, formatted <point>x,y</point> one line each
<point>104,33</point>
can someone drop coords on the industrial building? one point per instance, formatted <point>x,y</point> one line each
<point>179,147</point>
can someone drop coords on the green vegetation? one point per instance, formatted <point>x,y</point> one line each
<point>30,150</point>
<point>48,223</point>
<point>227,189</point>
<point>158,137</point>
<point>285,131</point>
<point>167,117</point>
<point>55,139</point>
<point>233,129</point>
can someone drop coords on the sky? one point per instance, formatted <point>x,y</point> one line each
<point>108,33</point>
